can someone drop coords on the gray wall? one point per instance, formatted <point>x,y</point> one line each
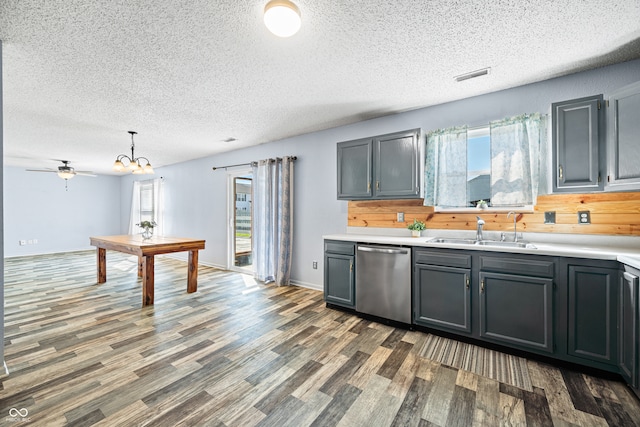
<point>38,207</point>
<point>196,196</point>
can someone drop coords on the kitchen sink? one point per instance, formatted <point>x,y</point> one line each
<point>505,244</point>
<point>483,243</point>
<point>456,241</point>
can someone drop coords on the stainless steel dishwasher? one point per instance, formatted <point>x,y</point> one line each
<point>383,282</point>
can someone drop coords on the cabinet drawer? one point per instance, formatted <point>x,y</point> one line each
<point>445,259</point>
<point>344,248</point>
<point>522,266</point>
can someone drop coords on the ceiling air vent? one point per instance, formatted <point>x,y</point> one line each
<point>472,74</point>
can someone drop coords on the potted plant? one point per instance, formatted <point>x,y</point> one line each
<point>416,227</point>
<point>147,228</point>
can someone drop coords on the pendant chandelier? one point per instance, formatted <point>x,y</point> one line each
<point>133,162</point>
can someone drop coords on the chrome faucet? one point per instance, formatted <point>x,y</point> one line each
<point>515,226</point>
<point>479,229</point>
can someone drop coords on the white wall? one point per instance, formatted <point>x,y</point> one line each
<point>36,206</point>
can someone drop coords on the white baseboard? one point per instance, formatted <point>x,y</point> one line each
<point>307,285</point>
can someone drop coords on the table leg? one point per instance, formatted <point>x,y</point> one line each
<point>140,265</point>
<point>192,276</point>
<point>102,265</point>
<point>147,280</point>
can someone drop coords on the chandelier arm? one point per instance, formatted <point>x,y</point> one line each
<point>138,159</point>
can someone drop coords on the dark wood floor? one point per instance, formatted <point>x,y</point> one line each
<point>238,353</point>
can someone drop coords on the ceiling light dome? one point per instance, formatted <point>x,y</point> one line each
<point>282,18</point>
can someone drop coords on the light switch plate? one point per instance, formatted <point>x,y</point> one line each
<point>400,217</point>
<point>550,217</point>
<point>584,217</point>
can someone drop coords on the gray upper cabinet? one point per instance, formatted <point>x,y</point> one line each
<point>396,165</point>
<point>381,167</point>
<point>354,169</point>
<point>624,138</point>
<point>578,145</point>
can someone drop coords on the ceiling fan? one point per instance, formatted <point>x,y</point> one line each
<point>65,171</point>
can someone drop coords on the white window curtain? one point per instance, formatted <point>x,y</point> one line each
<point>446,167</point>
<point>515,159</point>
<point>158,207</point>
<point>273,219</point>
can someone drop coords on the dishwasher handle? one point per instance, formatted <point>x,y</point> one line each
<point>383,250</point>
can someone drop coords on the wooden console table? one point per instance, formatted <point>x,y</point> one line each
<point>146,249</point>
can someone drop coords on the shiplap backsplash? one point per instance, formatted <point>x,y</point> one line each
<point>611,213</point>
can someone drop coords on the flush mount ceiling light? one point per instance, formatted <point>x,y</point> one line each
<point>282,18</point>
<point>472,74</point>
<point>133,162</point>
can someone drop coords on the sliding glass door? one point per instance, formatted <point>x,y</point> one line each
<point>240,221</point>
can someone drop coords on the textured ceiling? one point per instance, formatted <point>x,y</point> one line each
<point>187,75</point>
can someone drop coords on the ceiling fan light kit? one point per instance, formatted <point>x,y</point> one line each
<point>282,18</point>
<point>133,162</point>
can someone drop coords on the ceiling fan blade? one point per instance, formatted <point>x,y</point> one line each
<point>86,173</point>
<point>41,170</point>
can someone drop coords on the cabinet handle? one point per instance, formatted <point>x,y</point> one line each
<point>560,174</point>
<point>377,185</point>
<point>482,286</point>
<point>466,280</point>
<point>369,186</point>
<point>350,265</point>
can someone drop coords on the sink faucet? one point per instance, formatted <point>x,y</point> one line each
<point>515,229</point>
<point>479,229</point>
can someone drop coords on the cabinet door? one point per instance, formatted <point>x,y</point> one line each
<point>628,320</point>
<point>578,145</point>
<point>592,313</point>
<point>624,142</point>
<point>396,165</point>
<point>339,283</point>
<point>517,310</point>
<point>354,169</point>
<point>442,298</point>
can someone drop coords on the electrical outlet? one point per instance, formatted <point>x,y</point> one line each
<point>584,217</point>
<point>400,217</point>
<point>22,242</point>
<point>30,242</point>
<point>315,265</point>
<point>35,241</point>
<point>550,217</point>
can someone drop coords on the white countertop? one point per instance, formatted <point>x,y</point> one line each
<point>623,250</point>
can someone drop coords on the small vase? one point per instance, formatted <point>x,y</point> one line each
<point>147,233</point>
<point>415,233</point>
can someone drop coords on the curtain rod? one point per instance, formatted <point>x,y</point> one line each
<point>251,163</point>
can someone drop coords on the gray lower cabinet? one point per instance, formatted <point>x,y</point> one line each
<point>442,297</point>
<point>380,167</point>
<point>517,310</point>
<point>629,333</point>
<point>339,273</point>
<point>592,313</point>
<point>578,145</point>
